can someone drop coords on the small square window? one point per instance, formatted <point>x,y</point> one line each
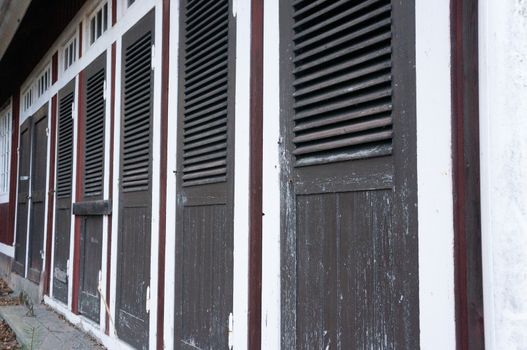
<point>5,147</point>
<point>98,23</point>
<point>44,81</point>
<point>69,53</point>
<point>28,98</point>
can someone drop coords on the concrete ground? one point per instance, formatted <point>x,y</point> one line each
<point>45,330</point>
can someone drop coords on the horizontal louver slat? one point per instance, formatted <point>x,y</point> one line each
<point>136,157</point>
<point>342,80</point>
<point>205,115</point>
<point>65,147</point>
<point>94,156</point>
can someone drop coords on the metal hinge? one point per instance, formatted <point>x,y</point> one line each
<point>105,90</point>
<point>73,110</point>
<point>153,57</point>
<point>231,331</point>
<point>148,299</point>
<point>47,132</point>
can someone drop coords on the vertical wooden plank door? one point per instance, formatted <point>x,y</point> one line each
<point>19,264</point>
<point>92,188</point>
<point>63,192</point>
<point>204,204</point>
<point>349,204</point>
<point>39,160</point>
<point>135,184</point>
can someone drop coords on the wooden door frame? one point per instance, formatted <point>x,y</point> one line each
<point>466,175</point>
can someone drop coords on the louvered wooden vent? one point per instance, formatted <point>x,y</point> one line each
<point>205,92</point>
<point>342,80</point>
<point>65,147</point>
<point>137,109</point>
<point>94,162</point>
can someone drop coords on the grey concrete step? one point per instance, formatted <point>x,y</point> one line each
<point>45,330</point>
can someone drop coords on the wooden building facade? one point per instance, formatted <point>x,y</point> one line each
<point>247,174</point>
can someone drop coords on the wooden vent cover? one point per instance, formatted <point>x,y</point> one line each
<point>205,92</point>
<point>342,80</point>
<point>65,147</point>
<point>93,178</point>
<point>137,107</point>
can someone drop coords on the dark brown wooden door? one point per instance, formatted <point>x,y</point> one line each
<point>349,204</point>
<point>63,192</point>
<point>135,184</point>
<point>92,188</point>
<point>204,213</point>
<point>19,264</point>
<point>39,159</point>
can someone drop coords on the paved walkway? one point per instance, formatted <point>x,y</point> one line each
<point>45,331</point>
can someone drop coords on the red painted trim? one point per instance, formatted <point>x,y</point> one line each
<point>55,67</point>
<point>256,163</point>
<point>165,48</point>
<point>112,127</point>
<point>78,193</point>
<point>466,176</point>
<point>14,167</point>
<point>51,194</point>
<point>80,39</point>
<point>114,12</point>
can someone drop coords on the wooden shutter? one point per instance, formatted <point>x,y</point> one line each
<point>22,211</point>
<point>135,202</point>
<point>63,192</point>
<point>92,160</point>
<point>39,159</point>
<point>137,104</point>
<point>205,92</point>
<point>342,80</point>
<point>204,233</point>
<point>65,146</point>
<point>94,151</point>
<point>349,240</point>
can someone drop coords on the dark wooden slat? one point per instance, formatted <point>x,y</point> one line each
<point>343,130</point>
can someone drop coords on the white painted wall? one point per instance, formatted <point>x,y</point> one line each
<point>434,176</point>
<point>503,135</point>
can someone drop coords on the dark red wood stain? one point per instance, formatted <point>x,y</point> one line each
<point>4,224</point>
<point>54,67</point>
<point>466,176</point>
<point>78,193</point>
<point>114,12</point>
<point>256,159</point>
<point>112,127</point>
<point>80,39</point>
<point>14,167</point>
<point>163,177</point>
<point>51,194</point>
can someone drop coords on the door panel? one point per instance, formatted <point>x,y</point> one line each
<point>91,255</point>
<point>135,184</point>
<point>19,264</point>
<point>349,230</point>
<point>38,193</point>
<point>204,205</point>
<point>92,187</point>
<point>64,185</point>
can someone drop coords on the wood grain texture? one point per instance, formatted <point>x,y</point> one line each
<point>466,176</point>
<point>348,181</point>
<point>205,175</point>
<point>135,184</point>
